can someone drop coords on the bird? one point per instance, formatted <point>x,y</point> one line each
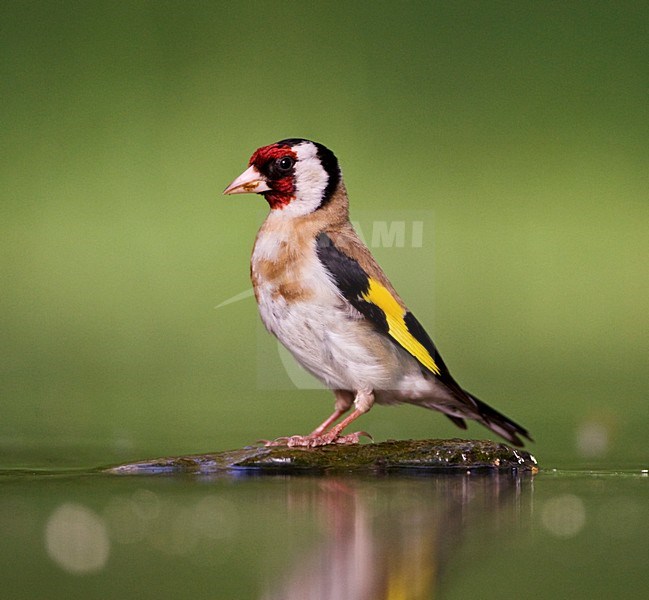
<point>320,291</point>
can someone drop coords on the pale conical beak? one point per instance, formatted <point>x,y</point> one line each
<point>251,181</point>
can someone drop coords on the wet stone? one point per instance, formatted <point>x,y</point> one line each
<point>433,456</point>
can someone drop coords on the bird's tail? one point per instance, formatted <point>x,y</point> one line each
<point>499,423</point>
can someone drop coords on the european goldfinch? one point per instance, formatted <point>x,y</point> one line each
<point>322,294</point>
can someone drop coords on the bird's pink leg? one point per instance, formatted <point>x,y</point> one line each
<point>320,437</point>
<point>344,401</point>
<point>333,435</point>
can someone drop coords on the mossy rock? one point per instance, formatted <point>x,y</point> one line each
<point>455,455</point>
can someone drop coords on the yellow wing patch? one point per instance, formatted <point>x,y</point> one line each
<point>397,329</point>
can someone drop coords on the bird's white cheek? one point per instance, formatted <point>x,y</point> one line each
<point>310,183</point>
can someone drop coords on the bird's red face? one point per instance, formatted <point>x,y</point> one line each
<point>294,172</point>
<point>271,173</point>
<point>276,163</point>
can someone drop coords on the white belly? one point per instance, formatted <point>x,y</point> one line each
<point>328,339</point>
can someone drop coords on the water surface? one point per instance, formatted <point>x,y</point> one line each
<point>557,534</point>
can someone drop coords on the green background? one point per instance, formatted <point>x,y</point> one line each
<point>522,128</point>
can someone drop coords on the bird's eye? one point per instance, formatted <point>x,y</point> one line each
<point>285,163</point>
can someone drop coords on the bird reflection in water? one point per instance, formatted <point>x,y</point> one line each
<point>393,538</point>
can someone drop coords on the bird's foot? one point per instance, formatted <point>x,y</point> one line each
<point>313,441</point>
<point>352,438</point>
